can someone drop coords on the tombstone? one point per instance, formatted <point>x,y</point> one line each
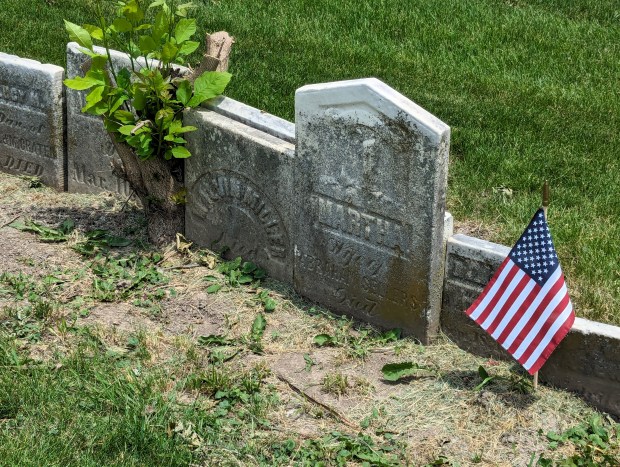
<point>239,191</point>
<point>370,184</point>
<point>32,120</point>
<point>90,149</point>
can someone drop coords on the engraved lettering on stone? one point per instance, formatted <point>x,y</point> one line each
<point>21,95</point>
<point>364,305</point>
<point>371,229</point>
<point>230,189</point>
<point>20,165</point>
<point>10,121</point>
<point>22,144</point>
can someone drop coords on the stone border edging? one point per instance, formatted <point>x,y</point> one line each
<point>587,361</point>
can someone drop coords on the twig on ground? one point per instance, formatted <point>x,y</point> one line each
<point>308,397</point>
<point>127,200</point>
<point>183,266</point>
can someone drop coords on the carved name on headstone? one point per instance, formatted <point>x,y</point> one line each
<point>239,185</point>
<point>32,120</point>
<point>370,183</point>
<point>90,149</point>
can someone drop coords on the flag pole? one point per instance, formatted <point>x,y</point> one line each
<point>545,205</point>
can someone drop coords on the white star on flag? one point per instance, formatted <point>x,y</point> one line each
<point>528,311</point>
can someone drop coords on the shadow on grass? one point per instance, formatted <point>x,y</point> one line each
<point>514,390</point>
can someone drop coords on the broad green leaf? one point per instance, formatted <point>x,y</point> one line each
<point>90,53</point>
<point>484,383</point>
<point>482,372</point>
<point>187,128</point>
<point>391,335</point>
<point>160,27</point>
<point>185,29</point>
<point>156,3</point>
<point>164,114</point>
<point>323,339</point>
<point>111,125</point>
<point>214,288</point>
<point>133,12</point>
<point>123,78</point>
<point>175,139</point>
<point>209,85</point>
<point>258,327</point>
<point>139,99</point>
<point>245,279</point>
<point>248,267</point>
<point>94,31</point>
<point>79,35</point>
<point>396,371</point>
<point>215,339</point>
<point>118,102</point>
<point>117,242</point>
<point>180,152</point>
<point>94,97</point>
<point>147,44</point>
<point>184,92</point>
<point>270,304</point>
<point>126,129</point>
<point>79,84</point>
<point>168,52</point>
<point>124,116</point>
<point>121,25</point>
<point>182,9</point>
<point>188,47</point>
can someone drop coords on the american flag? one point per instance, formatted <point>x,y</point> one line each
<point>525,307</point>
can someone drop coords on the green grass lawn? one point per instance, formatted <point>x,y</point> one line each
<point>529,87</point>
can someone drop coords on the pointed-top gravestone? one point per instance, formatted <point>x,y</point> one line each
<point>370,189</point>
<point>32,120</point>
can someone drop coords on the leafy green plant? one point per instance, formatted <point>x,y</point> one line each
<point>309,362</point>
<point>46,234</point>
<point>338,449</point>
<point>358,345</point>
<point>238,272</point>
<point>143,106</point>
<point>94,241</point>
<point>396,371</point>
<point>596,443</point>
<point>485,377</point>
<point>515,382</point>
<point>121,278</point>
<point>323,340</point>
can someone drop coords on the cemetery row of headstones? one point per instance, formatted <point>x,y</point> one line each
<point>352,214</point>
<point>347,204</point>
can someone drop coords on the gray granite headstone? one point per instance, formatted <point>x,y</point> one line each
<point>239,191</point>
<point>90,149</point>
<point>32,120</point>
<point>370,185</point>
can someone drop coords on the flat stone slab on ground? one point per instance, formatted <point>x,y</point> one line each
<point>32,120</point>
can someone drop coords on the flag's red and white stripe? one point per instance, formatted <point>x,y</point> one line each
<point>527,319</point>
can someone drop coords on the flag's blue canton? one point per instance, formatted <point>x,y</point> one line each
<point>534,252</point>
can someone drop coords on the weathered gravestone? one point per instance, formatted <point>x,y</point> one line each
<point>32,120</point>
<point>239,191</point>
<point>90,150</point>
<point>370,182</point>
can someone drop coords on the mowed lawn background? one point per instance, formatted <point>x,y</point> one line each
<point>530,88</point>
